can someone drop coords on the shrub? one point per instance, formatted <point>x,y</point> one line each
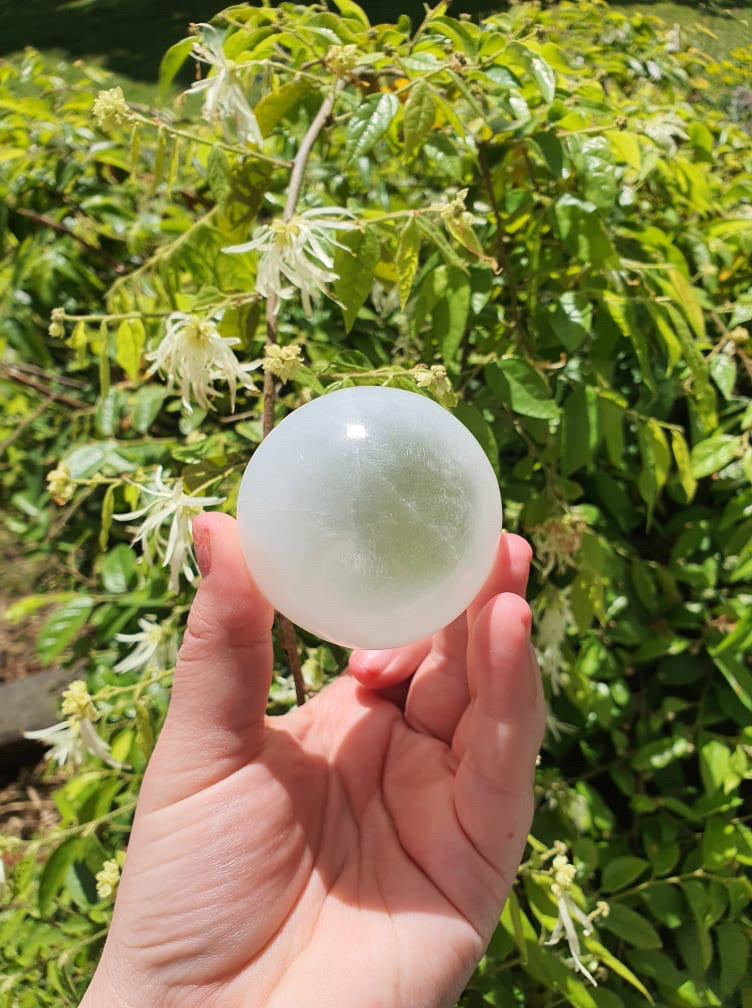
<point>554,214</point>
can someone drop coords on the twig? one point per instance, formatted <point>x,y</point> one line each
<point>15,434</point>
<point>15,374</point>
<point>41,373</point>
<point>54,225</point>
<point>286,628</point>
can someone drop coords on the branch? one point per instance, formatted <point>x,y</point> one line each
<point>15,374</point>
<point>287,630</point>
<point>54,225</point>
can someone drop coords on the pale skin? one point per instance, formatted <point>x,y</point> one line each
<point>355,852</point>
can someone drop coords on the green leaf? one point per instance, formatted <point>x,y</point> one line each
<point>406,260</point>
<point>369,123</point>
<point>477,424</point>
<point>521,387</point>
<point>275,105</point>
<point>23,608</point>
<point>354,265</point>
<point>54,872</point>
<point>665,903</point>
<point>687,298</point>
<point>171,62</point>
<point>696,896</point>
<point>419,115</point>
<point>571,319</point>
<point>622,312</point>
<point>719,843</point>
<point>712,454</point>
<point>450,315</point>
<point>714,765</point>
<point>62,626</point>
<point>107,413</point>
<point>218,175</point>
<point>576,431</point>
<point>619,872</point>
<point>669,317</point>
<point>129,346</point>
<point>85,460</point>
<point>733,953</point>
<point>349,9</point>
<point>118,567</point>
<point>144,406</point>
<point>144,730</point>
<point>683,463</point>
<point>108,507</point>
<point>612,425</point>
<point>723,373</point>
<point>610,961</point>
<point>631,926</point>
<point>656,460</point>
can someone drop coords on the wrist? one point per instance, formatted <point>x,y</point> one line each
<point>114,987</point>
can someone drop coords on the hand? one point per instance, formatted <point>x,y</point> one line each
<point>355,852</point>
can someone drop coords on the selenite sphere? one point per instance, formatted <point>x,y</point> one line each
<point>369,517</point>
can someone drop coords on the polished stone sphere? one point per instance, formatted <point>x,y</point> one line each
<point>370,517</point>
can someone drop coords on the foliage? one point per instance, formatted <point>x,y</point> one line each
<point>545,222</point>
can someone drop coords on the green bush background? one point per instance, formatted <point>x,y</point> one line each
<point>592,313</point>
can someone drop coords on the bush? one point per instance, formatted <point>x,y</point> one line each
<point>553,216</point>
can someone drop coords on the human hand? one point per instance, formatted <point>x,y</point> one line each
<point>356,851</point>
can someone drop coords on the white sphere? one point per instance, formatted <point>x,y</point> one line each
<point>369,517</point>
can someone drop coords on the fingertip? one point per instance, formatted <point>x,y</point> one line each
<point>381,669</point>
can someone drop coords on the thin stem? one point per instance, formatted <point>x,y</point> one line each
<point>287,630</point>
<point>211,141</point>
<point>15,374</point>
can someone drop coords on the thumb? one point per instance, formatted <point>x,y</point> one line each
<point>215,722</point>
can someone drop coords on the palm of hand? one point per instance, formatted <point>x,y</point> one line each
<point>342,841</point>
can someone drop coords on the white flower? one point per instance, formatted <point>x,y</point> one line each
<point>224,97</point>
<point>194,356</point>
<point>297,254</point>
<point>169,504</point>
<point>69,741</point>
<point>155,646</point>
<point>551,633</point>
<point>563,874</point>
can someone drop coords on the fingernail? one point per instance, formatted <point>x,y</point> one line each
<point>202,546</point>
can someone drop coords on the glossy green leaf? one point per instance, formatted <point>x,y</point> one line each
<point>54,872</point>
<point>129,346</point>
<point>723,372</point>
<point>369,123</point>
<point>519,387</point>
<point>631,926</point>
<point>622,871</point>
<point>478,426</point>
<point>712,454</point>
<point>683,462</point>
<point>354,265</point>
<point>419,115</point>
<point>733,952</point>
<point>118,567</point>
<point>62,626</point>
<point>171,62</point>
<point>275,106</point>
<point>406,260</point>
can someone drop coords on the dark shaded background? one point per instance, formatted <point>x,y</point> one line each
<point>133,34</point>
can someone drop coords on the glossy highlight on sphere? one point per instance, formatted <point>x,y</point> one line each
<point>369,517</point>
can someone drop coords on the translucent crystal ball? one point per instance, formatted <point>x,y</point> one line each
<point>369,517</point>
